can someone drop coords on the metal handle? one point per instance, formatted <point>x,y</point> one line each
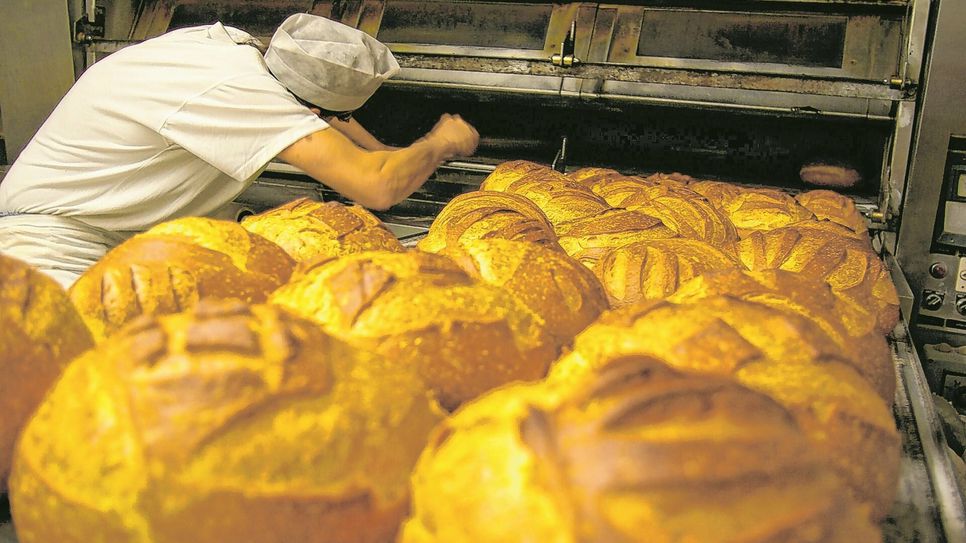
<point>566,58</point>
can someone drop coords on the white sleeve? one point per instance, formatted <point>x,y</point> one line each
<point>241,124</point>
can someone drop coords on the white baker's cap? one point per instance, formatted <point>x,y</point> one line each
<point>328,64</point>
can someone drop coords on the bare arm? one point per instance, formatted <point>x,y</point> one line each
<point>379,179</point>
<point>358,134</point>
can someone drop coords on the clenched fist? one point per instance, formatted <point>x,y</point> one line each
<point>457,136</point>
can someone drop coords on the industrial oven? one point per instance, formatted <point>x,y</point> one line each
<point>748,91</point>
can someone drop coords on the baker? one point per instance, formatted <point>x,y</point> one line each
<point>181,124</point>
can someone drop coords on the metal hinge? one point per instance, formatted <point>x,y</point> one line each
<point>86,28</point>
<point>904,84</point>
<point>566,58</point>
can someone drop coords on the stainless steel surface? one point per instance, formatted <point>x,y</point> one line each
<point>941,117</point>
<point>33,33</point>
<point>929,505</point>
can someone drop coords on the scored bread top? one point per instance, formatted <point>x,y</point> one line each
<point>308,229</point>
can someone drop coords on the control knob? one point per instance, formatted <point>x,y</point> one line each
<point>932,300</point>
<point>961,304</point>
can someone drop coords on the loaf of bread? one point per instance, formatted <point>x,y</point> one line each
<point>832,206</point>
<point>308,229</point>
<point>866,349</point>
<point>672,179</point>
<point>488,215</point>
<point>228,422</point>
<point>588,239</point>
<point>617,190</point>
<point>591,177</point>
<point>854,272</point>
<point>635,453</point>
<point>650,270</point>
<point>509,172</point>
<point>40,332</point>
<point>690,217</point>
<point>716,192</point>
<point>756,210</point>
<point>421,310</point>
<point>171,266</point>
<point>775,352</point>
<point>560,201</point>
<point>557,288</point>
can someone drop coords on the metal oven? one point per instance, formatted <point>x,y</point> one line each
<point>749,91</point>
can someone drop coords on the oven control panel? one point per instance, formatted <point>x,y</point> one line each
<point>942,302</point>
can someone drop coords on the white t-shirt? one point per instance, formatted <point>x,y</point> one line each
<point>175,126</point>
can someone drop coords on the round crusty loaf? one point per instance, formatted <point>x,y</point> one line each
<point>561,291</point>
<point>830,205</point>
<point>307,229</point>
<point>590,238</point>
<point>717,192</point>
<point>171,266</point>
<point>488,215</point>
<point>775,352</point>
<point>638,452</point>
<point>866,349</point>
<point>40,332</point>
<point>561,201</point>
<point>508,172</point>
<point>421,310</point>
<point>690,217</point>
<point>854,272</point>
<point>650,270</point>
<point>617,190</point>
<point>224,423</point>
<point>592,177</point>
<point>760,209</point>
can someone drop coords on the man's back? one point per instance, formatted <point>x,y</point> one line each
<point>171,127</point>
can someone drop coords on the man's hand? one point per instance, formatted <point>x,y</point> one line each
<point>455,135</point>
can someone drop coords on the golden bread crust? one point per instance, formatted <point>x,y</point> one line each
<point>561,291</point>
<point>866,350</point>
<point>588,239</point>
<point>488,215</point>
<point>832,206</point>
<point>690,217</point>
<point>463,337</point>
<point>854,272</point>
<point>170,267</point>
<point>776,352</point>
<point>650,270</point>
<point>227,422</point>
<point>307,229</point>
<point>40,333</point>
<point>632,453</point>
<point>508,172</point>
